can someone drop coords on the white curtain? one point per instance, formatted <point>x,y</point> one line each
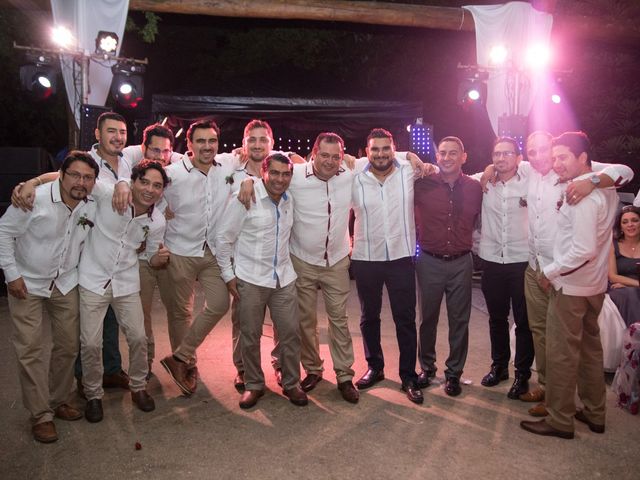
<point>517,26</point>
<point>85,18</point>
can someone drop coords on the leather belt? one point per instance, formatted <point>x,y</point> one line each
<point>446,258</point>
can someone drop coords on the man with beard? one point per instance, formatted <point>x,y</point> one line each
<point>108,275</point>
<point>383,250</point>
<point>39,253</point>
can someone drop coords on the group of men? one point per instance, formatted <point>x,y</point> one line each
<point>256,227</point>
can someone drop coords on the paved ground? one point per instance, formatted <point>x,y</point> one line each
<point>385,436</point>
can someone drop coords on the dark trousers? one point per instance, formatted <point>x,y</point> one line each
<point>503,287</point>
<point>399,278</point>
<point>111,358</point>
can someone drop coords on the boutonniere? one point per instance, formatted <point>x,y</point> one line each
<point>145,229</point>
<point>560,202</point>
<point>83,221</point>
<point>229,179</point>
<point>523,202</point>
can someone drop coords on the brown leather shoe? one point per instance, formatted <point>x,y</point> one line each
<point>44,432</point>
<point>594,427</point>
<point>296,396</point>
<point>310,382</point>
<point>540,410</point>
<point>541,427</point>
<point>116,380</point>
<point>278,373</point>
<point>192,378</point>
<point>177,370</point>
<point>143,401</point>
<point>238,382</point>
<point>249,398</point>
<point>349,392</point>
<point>535,395</point>
<point>67,412</point>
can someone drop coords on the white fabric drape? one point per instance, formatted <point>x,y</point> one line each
<point>85,18</point>
<point>517,26</point>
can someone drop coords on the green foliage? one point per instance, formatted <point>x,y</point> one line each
<point>149,31</point>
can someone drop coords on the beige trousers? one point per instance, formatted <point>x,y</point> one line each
<point>537,307</point>
<point>149,278</point>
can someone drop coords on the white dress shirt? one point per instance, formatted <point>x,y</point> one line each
<point>197,201</point>
<point>582,244</point>
<point>385,225</point>
<point>320,234</point>
<point>504,234</point>
<point>110,252</point>
<point>258,241</point>
<point>43,245</point>
<point>107,174</point>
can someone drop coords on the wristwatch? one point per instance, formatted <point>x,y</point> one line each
<point>595,179</point>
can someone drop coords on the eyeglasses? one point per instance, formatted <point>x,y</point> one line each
<point>85,178</point>
<point>157,151</point>
<point>497,155</point>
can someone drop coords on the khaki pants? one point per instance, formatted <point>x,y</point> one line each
<point>149,278</point>
<point>537,307</point>
<point>335,285</point>
<point>42,391</point>
<point>574,357</point>
<point>128,310</point>
<point>283,307</point>
<point>183,272</point>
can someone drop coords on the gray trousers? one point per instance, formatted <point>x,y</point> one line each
<point>283,307</point>
<point>436,278</point>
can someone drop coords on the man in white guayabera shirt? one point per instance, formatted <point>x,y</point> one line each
<point>39,253</point>
<point>109,275</point>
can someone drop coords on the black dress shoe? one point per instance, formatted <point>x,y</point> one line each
<point>348,391</point>
<point>296,396</point>
<point>541,427</point>
<point>238,382</point>
<point>495,376</point>
<point>310,382</point>
<point>370,378</point>
<point>519,387</point>
<point>93,412</point>
<point>249,398</point>
<point>413,392</point>
<point>424,378</point>
<point>452,387</point>
<point>594,427</point>
<point>143,401</point>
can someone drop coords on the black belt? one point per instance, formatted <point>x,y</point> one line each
<point>446,258</point>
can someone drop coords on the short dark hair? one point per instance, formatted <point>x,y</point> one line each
<point>156,130</point>
<point>576,142</point>
<point>140,169</point>
<point>255,123</point>
<point>109,116</point>
<point>78,156</point>
<point>510,140</point>
<point>453,139</point>
<point>328,137</point>
<point>379,133</point>
<point>617,228</point>
<point>276,157</point>
<point>202,124</point>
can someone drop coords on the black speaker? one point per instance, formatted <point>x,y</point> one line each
<point>88,120</point>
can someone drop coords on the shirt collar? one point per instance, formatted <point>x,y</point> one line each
<point>261,192</point>
<point>310,171</point>
<point>149,212</point>
<point>368,165</point>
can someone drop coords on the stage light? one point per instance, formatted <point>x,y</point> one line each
<point>472,88</point>
<point>39,76</point>
<point>473,94</point>
<point>555,98</point>
<point>421,139</point>
<point>62,37</point>
<point>106,43</point>
<point>498,55</point>
<point>537,57</point>
<point>127,86</point>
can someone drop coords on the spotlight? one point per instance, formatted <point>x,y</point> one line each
<point>555,98</point>
<point>537,57</point>
<point>39,76</point>
<point>62,37</point>
<point>472,88</point>
<point>498,55</point>
<point>106,43</point>
<point>127,86</point>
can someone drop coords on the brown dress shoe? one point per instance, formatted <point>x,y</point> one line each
<point>177,370</point>
<point>310,382</point>
<point>594,427</point>
<point>296,396</point>
<point>249,398</point>
<point>278,373</point>
<point>540,410</point>
<point>535,395</point>
<point>238,382</point>
<point>143,400</point>
<point>67,412</point>
<point>44,432</point>
<point>541,427</point>
<point>116,380</point>
<point>349,392</point>
<point>192,378</point>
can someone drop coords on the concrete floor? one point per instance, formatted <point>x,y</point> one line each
<point>385,436</point>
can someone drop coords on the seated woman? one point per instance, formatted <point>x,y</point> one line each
<point>623,265</point>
